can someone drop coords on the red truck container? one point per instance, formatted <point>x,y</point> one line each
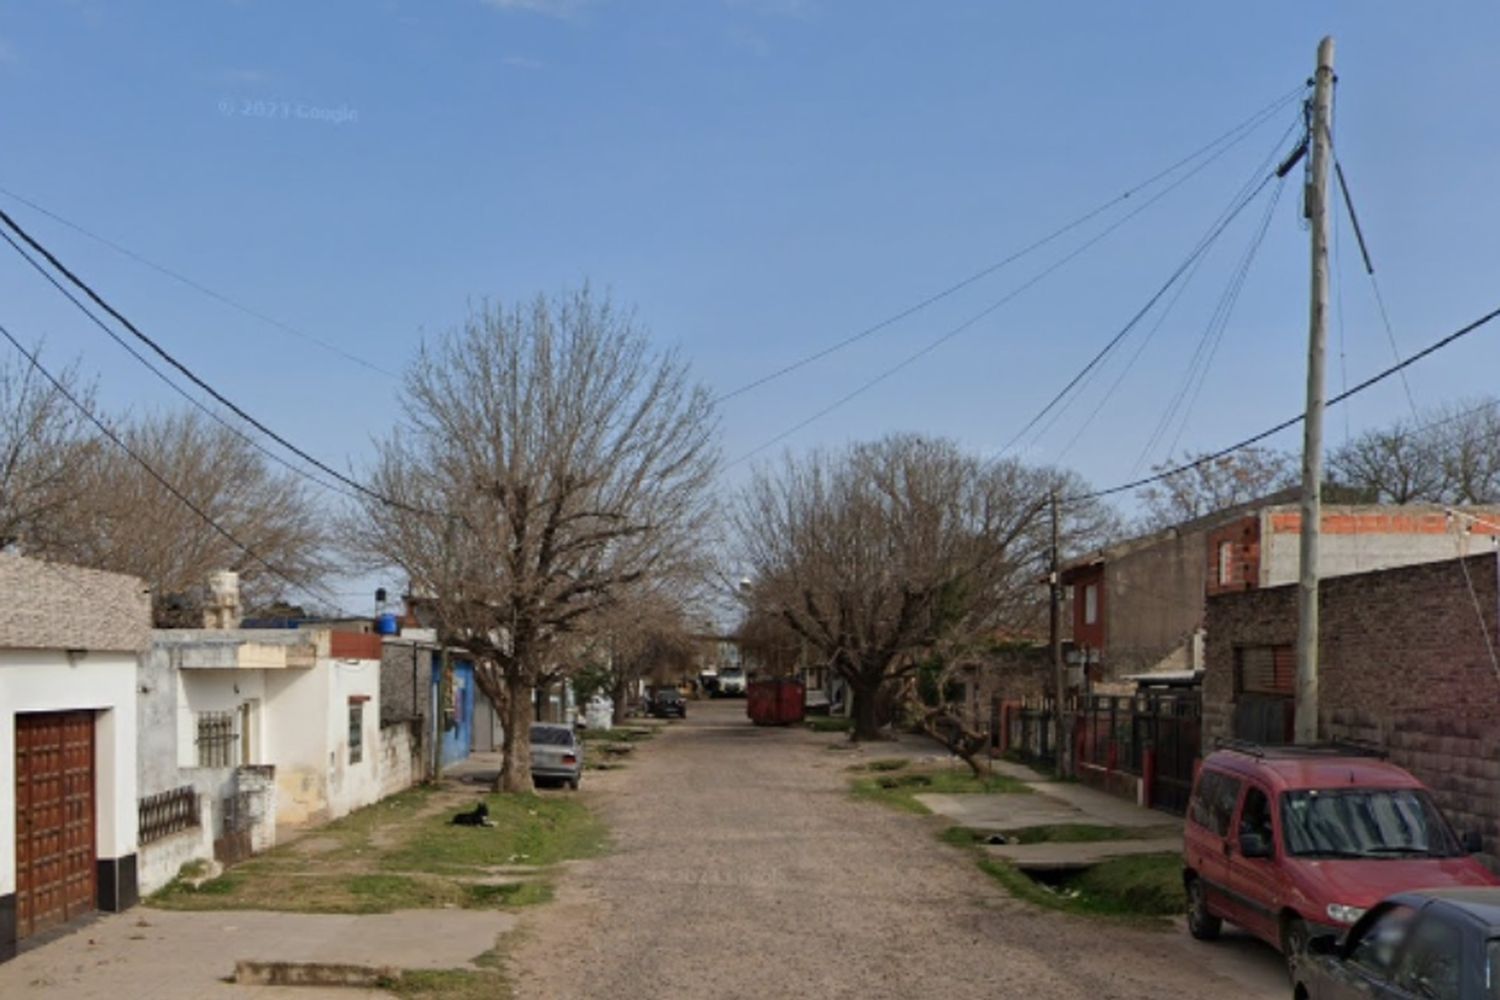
<point>777,702</point>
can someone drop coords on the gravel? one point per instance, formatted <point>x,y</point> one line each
<point>741,867</point>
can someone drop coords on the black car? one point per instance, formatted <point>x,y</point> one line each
<point>1443,943</point>
<point>668,703</point>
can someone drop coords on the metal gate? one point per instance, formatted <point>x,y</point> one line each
<point>54,819</point>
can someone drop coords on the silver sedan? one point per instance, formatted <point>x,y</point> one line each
<point>556,754</point>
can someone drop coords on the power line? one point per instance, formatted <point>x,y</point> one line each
<point>199,287</point>
<point>119,442</point>
<point>1232,137</point>
<point>1432,348</point>
<point>161,352</point>
<point>193,400</point>
<point>982,314</point>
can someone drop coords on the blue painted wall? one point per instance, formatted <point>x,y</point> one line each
<point>454,709</point>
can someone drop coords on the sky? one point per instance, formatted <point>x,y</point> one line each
<point>758,180</point>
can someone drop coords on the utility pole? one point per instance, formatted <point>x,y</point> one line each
<point>1319,122</point>
<point>1059,668</point>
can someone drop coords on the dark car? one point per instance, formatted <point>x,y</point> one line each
<point>1440,943</point>
<point>668,703</point>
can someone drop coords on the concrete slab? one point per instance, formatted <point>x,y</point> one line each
<point>1061,857</point>
<point>1001,812</point>
<point>164,955</point>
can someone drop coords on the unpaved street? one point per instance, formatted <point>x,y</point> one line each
<point>742,868</point>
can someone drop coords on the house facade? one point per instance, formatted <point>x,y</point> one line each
<point>245,730</point>
<point>443,712</point>
<point>1138,607</point>
<point>1407,662</point>
<point>69,643</point>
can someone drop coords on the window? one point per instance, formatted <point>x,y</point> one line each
<point>1091,604</point>
<point>217,740</point>
<point>1380,940</point>
<point>1226,563</point>
<point>1213,801</point>
<point>1255,815</point>
<point>1430,965</point>
<point>356,730</point>
<point>1265,670</point>
<point>1365,823</point>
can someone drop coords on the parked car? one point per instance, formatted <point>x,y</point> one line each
<point>1290,842</point>
<point>668,703</point>
<point>1444,943</point>
<point>556,754</point>
<point>732,682</point>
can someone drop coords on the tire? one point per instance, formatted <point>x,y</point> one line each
<point>1294,936</point>
<point>573,783</point>
<point>1202,924</point>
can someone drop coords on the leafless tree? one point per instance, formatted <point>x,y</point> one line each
<point>645,634</point>
<point>43,438</point>
<point>557,461</point>
<point>879,554</point>
<point>1214,485</point>
<point>1448,455</point>
<point>123,519</point>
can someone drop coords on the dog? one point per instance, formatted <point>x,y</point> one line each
<point>478,816</point>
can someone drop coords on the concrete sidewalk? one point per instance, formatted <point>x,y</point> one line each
<point>1053,803</point>
<point>148,954</point>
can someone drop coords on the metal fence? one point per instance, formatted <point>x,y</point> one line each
<point>1116,733</point>
<point>166,813</point>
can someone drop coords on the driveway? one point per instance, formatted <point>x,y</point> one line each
<point>742,868</point>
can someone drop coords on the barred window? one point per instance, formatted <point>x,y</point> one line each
<point>1265,670</point>
<point>218,743</point>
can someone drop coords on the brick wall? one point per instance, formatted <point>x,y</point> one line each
<point>1403,664</point>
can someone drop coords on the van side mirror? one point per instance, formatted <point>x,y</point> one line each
<point>1473,843</point>
<point>1253,845</point>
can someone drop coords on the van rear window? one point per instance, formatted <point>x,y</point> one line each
<point>1213,801</point>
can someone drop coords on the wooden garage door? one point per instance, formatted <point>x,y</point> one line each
<point>54,819</point>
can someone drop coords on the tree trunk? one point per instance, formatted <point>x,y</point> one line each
<point>866,711</point>
<point>515,769</point>
<point>617,693</point>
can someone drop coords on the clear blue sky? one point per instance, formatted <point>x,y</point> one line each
<point>759,178</point>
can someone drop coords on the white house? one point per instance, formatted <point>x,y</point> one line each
<point>69,644</point>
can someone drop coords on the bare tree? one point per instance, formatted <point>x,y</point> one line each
<point>43,439</point>
<point>881,554</point>
<point>1449,455</point>
<point>124,520</point>
<point>1214,485</point>
<point>557,461</point>
<point>644,635</point>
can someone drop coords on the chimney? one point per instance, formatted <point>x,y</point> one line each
<point>222,611</point>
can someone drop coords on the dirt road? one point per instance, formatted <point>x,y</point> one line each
<point>742,868</point>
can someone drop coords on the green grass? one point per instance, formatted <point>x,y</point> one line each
<point>899,790</point>
<point>883,764</point>
<point>1143,888</point>
<point>619,734</point>
<point>449,984</point>
<point>419,861</point>
<point>829,724</point>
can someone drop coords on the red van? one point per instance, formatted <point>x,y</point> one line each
<point>1292,841</point>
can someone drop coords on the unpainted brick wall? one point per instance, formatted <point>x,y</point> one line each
<point>1404,665</point>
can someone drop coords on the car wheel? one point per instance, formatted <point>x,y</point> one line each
<point>1201,924</point>
<point>573,783</point>
<point>1294,936</point>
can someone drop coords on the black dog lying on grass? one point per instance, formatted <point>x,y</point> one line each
<point>478,816</point>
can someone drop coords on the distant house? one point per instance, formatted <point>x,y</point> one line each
<point>441,711</point>
<point>69,642</point>
<point>1407,662</point>
<point>1138,606</point>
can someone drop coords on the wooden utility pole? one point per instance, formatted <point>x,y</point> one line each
<point>1319,121</point>
<point>1059,668</point>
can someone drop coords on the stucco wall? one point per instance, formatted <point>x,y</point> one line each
<point>1154,603</point>
<point>1357,539</point>
<point>47,681</point>
<point>400,765</point>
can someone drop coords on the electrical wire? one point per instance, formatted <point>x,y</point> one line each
<point>165,379</point>
<point>1355,390</point>
<point>982,314</point>
<point>150,470</point>
<point>199,287</point>
<point>1233,137</point>
<point>193,377</point>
